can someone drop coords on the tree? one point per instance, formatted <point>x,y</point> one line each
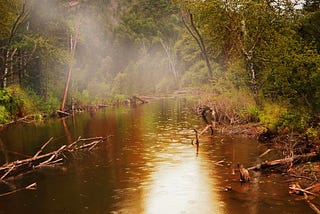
<point>310,25</point>
<point>14,15</point>
<point>188,12</point>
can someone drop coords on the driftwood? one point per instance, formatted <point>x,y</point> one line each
<point>62,113</point>
<point>296,188</point>
<point>32,186</point>
<point>52,158</point>
<point>197,137</point>
<point>134,100</point>
<point>201,133</point>
<point>286,161</point>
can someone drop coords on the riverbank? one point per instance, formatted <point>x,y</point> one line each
<point>300,162</point>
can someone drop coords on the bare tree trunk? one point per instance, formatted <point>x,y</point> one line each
<point>253,73</point>
<point>194,32</point>
<point>170,60</point>
<point>73,45</point>
<point>6,69</point>
<point>248,50</point>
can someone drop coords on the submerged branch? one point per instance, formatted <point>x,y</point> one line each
<point>32,186</point>
<point>19,167</point>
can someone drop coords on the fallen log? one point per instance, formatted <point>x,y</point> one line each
<point>296,159</point>
<point>297,189</point>
<point>22,166</point>
<point>62,113</point>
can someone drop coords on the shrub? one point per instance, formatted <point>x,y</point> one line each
<point>11,100</point>
<point>270,115</point>
<point>4,115</point>
<point>50,104</point>
<point>278,118</point>
<point>253,113</point>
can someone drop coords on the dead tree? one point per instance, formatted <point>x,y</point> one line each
<point>73,45</point>
<point>208,116</point>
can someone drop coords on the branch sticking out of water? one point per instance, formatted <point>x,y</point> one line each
<point>54,158</point>
<point>32,186</point>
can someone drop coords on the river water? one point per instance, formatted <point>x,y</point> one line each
<point>148,166</point>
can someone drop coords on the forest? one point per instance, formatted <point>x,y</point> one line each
<point>258,60</point>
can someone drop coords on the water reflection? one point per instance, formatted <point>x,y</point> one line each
<point>181,180</point>
<point>149,166</point>
<point>181,188</point>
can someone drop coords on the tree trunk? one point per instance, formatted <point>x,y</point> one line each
<point>170,60</point>
<point>253,73</point>
<point>73,45</point>
<point>6,69</point>
<point>194,32</point>
<point>9,55</point>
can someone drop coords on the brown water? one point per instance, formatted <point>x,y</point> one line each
<point>148,166</point>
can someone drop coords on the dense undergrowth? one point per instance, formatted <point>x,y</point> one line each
<point>16,102</point>
<point>236,107</point>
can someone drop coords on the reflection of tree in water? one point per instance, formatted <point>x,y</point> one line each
<point>66,130</point>
<point>4,151</point>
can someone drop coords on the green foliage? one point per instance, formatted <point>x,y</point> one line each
<point>121,84</point>
<point>290,121</point>
<point>49,105</point>
<point>280,118</point>
<point>12,100</point>
<point>312,133</point>
<point>5,115</point>
<point>294,76</point>
<point>165,85</point>
<point>83,97</point>
<point>196,75</point>
<point>119,98</point>
<point>16,102</point>
<point>252,112</point>
<point>270,115</point>
<point>309,29</point>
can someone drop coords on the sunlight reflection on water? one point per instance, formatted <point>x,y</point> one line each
<point>182,187</point>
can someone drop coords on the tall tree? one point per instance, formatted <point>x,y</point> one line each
<point>188,11</point>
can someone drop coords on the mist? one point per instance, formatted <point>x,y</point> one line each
<point>110,57</point>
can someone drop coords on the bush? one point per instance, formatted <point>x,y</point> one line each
<point>11,100</point>
<point>195,76</point>
<point>16,102</point>
<point>49,105</point>
<point>165,85</point>
<point>253,112</point>
<point>270,115</point>
<point>4,115</point>
<point>278,118</point>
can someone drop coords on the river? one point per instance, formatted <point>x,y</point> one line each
<point>148,166</point>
